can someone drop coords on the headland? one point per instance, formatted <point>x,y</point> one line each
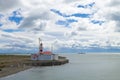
<point>11,64</point>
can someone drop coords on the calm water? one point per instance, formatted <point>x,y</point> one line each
<point>81,67</point>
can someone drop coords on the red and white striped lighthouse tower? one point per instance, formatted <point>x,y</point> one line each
<point>40,46</point>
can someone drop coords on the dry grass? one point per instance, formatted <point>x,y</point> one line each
<point>8,60</point>
<point>10,64</point>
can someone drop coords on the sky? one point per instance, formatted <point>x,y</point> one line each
<point>64,26</point>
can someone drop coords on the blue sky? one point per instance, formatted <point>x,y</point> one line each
<point>68,26</point>
<point>15,17</point>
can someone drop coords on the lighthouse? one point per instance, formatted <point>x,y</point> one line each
<point>40,47</point>
<point>44,55</point>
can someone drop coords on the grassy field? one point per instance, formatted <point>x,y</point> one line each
<point>10,64</point>
<point>12,60</point>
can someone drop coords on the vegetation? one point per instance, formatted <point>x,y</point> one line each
<point>8,60</point>
<point>10,64</point>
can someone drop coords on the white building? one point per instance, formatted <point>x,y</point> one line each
<point>46,55</point>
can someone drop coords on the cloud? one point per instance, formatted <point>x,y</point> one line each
<point>114,3</point>
<point>5,6</point>
<point>97,22</point>
<point>33,24</point>
<point>67,24</point>
<point>113,14</point>
<point>116,17</point>
<point>82,15</point>
<point>69,1</point>
<point>11,19</point>
<point>36,20</point>
<point>86,6</point>
<point>19,42</point>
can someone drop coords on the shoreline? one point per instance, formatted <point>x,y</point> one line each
<point>12,64</point>
<point>12,70</point>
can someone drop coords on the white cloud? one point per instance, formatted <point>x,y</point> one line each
<point>10,5</point>
<point>39,21</point>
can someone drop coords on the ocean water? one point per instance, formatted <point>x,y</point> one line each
<point>81,67</point>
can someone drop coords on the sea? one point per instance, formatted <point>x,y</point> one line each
<point>91,66</point>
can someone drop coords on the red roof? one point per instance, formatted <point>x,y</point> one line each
<point>47,52</point>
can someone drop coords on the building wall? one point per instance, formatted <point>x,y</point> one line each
<point>55,56</point>
<point>44,57</point>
